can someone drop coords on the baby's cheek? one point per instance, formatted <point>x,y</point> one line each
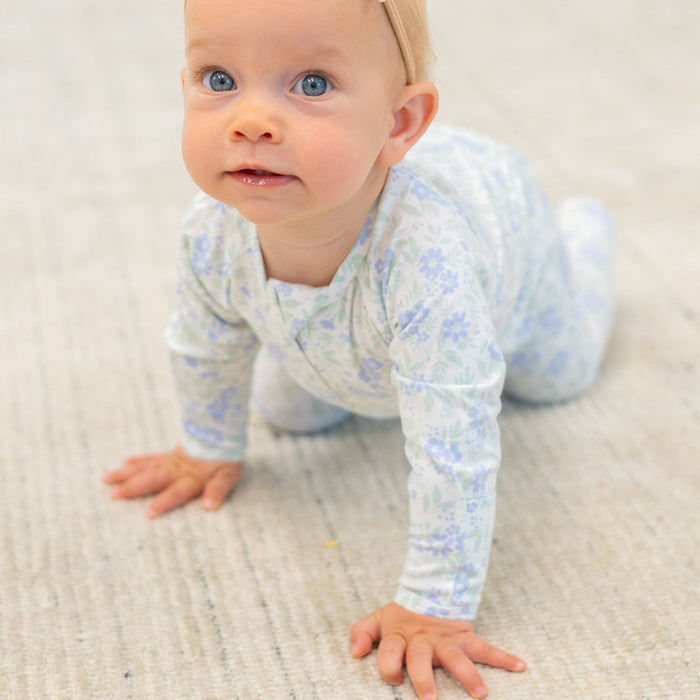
<point>344,167</point>
<point>188,147</point>
<point>195,153</point>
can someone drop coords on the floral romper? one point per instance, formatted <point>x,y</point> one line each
<point>463,284</point>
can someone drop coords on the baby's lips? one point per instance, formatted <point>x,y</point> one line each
<point>260,177</point>
<point>256,171</point>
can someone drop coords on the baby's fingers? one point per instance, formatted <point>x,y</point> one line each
<point>131,466</point>
<point>419,665</point>
<point>220,485</point>
<point>390,657</point>
<point>364,633</point>
<point>141,482</point>
<point>482,652</point>
<point>451,657</point>
<point>178,493</point>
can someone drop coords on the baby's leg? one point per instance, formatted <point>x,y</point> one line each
<point>572,309</point>
<point>284,404</point>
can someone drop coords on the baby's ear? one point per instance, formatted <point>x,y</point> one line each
<point>414,109</point>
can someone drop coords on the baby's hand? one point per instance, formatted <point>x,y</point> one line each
<point>423,642</point>
<point>176,478</point>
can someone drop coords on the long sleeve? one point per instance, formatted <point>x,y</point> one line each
<point>449,374</point>
<point>212,348</point>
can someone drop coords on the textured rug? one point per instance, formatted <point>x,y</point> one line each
<point>596,561</point>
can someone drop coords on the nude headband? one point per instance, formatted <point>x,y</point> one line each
<point>401,36</point>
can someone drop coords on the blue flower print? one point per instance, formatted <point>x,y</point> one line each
<point>382,267</point>
<point>206,435</point>
<point>525,362</point>
<point>364,235</point>
<point>218,328</point>
<point>448,281</point>
<point>420,191</point>
<point>410,321</point>
<point>284,290</point>
<point>432,263</point>
<point>558,363</point>
<point>464,579</point>
<point>478,415</point>
<point>478,426</point>
<point>443,547</point>
<point>455,328</point>
<point>201,258</point>
<point>479,481</point>
<point>217,409</point>
<point>551,322</point>
<point>439,451</point>
<point>494,352</point>
<point>370,371</point>
<point>412,388</point>
<point>297,326</point>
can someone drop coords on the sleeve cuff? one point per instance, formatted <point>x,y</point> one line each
<point>424,606</point>
<point>194,448</point>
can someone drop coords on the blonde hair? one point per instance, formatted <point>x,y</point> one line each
<point>409,19</point>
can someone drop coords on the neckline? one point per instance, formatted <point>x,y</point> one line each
<point>346,270</point>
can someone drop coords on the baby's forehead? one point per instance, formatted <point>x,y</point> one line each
<point>331,15</point>
<point>328,29</point>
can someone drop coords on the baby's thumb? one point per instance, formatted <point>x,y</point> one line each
<point>364,633</point>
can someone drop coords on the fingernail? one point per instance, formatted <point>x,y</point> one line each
<point>481,692</point>
<point>520,666</point>
<point>208,504</point>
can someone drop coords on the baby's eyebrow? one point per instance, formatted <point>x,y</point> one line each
<point>323,51</point>
<point>198,43</point>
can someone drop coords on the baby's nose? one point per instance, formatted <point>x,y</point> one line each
<point>254,122</point>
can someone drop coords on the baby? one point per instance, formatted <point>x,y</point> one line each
<point>324,269</point>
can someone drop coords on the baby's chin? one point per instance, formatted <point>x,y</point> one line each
<point>259,206</point>
<point>264,213</point>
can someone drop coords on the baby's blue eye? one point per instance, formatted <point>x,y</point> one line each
<point>219,81</point>
<point>313,85</point>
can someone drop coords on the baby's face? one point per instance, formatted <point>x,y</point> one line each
<point>288,104</point>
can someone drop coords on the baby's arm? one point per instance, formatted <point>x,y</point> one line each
<point>177,478</point>
<point>212,351</point>
<point>448,372</point>
<point>451,513</point>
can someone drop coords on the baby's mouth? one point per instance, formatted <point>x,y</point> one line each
<point>257,171</point>
<point>257,177</point>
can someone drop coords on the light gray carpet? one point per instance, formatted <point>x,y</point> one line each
<point>595,570</point>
